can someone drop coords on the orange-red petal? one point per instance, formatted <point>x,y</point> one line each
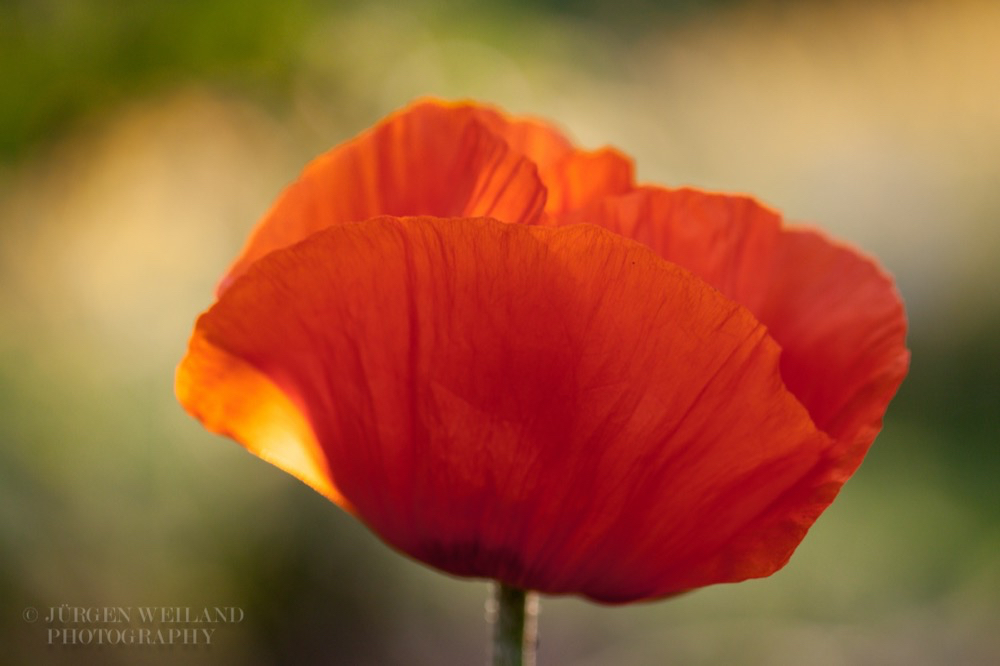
<point>842,324</point>
<point>572,177</point>
<point>263,419</point>
<point>557,408</point>
<point>586,177</point>
<point>835,313</point>
<point>538,141</point>
<point>445,160</point>
<point>428,159</point>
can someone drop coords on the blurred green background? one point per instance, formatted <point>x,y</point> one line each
<point>140,141</point>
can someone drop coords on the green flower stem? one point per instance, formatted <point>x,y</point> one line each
<point>515,626</point>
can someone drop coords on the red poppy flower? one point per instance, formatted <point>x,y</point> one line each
<point>511,362</point>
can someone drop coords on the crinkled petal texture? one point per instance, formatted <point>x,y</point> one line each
<point>422,329</point>
<point>558,408</point>
<point>835,313</point>
<point>445,160</point>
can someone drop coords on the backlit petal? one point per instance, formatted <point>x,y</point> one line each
<point>428,159</point>
<point>232,398</point>
<point>558,408</point>
<point>441,159</point>
<point>585,177</point>
<point>572,177</point>
<point>538,141</point>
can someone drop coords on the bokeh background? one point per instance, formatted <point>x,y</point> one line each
<point>140,141</point>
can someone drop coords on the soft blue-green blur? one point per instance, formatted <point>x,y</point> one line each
<point>139,143</point>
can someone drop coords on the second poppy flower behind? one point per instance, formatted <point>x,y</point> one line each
<point>511,362</point>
